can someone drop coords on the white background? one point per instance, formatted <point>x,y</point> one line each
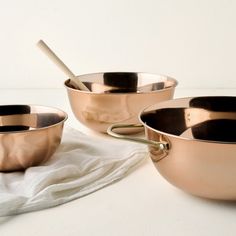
<point>191,40</point>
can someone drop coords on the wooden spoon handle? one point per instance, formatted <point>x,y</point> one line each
<point>77,83</point>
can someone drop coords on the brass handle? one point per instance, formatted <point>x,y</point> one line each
<point>159,145</point>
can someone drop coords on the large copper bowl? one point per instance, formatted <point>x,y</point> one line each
<point>29,135</point>
<point>192,143</point>
<point>116,97</point>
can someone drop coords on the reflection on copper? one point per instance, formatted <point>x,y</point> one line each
<point>202,155</point>
<point>29,135</point>
<point>117,97</point>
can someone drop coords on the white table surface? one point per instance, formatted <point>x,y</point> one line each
<point>142,203</point>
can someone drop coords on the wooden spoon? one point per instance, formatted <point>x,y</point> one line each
<point>73,80</point>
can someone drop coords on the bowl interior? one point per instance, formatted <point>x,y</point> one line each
<point>15,118</point>
<point>125,82</point>
<point>203,118</point>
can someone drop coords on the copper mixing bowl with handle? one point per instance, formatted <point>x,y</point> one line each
<point>29,135</point>
<point>192,143</point>
<point>116,97</point>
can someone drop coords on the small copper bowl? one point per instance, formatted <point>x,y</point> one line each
<point>29,135</point>
<point>117,97</point>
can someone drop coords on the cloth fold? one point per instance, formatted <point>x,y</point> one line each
<point>81,165</point>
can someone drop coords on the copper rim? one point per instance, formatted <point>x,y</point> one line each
<point>99,74</point>
<point>41,128</point>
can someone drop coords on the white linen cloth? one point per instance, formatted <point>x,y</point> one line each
<point>81,165</point>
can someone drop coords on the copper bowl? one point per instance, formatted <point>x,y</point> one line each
<point>29,135</point>
<point>117,97</point>
<point>192,143</point>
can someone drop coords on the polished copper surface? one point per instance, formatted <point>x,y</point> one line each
<point>29,135</point>
<point>117,97</point>
<point>201,134</point>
